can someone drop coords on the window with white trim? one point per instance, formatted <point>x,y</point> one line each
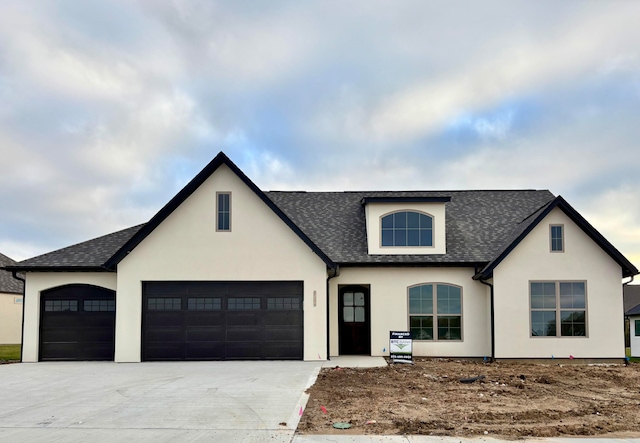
<point>407,228</point>
<point>435,312</point>
<point>558,308</point>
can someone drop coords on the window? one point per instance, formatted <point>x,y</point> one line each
<point>353,307</point>
<point>100,305</point>
<point>407,229</point>
<point>224,211</point>
<point>165,304</point>
<point>17,300</point>
<point>637,325</point>
<point>435,318</point>
<point>204,304</point>
<point>283,303</point>
<point>558,309</point>
<point>60,305</point>
<point>557,238</point>
<point>243,303</point>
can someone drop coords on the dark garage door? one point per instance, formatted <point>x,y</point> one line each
<point>77,322</point>
<point>222,320</point>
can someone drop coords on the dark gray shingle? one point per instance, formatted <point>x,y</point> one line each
<point>8,284</point>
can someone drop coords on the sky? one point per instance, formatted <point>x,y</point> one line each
<point>107,109</point>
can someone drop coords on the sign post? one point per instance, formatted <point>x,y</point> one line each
<point>400,344</point>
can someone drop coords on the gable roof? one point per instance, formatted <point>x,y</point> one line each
<point>8,284</point>
<point>527,225</point>
<point>482,227</point>
<point>180,197</point>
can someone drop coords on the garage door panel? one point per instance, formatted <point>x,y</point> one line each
<point>236,334</point>
<point>164,335</point>
<point>215,334</point>
<point>244,351</point>
<point>197,318</point>
<point>283,351</point>
<point>77,322</point>
<point>283,333</point>
<point>222,320</point>
<point>204,351</point>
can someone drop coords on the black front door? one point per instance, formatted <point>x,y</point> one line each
<point>353,318</point>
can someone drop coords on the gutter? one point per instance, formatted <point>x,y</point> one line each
<point>493,331</point>
<point>332,273</point>
<point>24,289</point>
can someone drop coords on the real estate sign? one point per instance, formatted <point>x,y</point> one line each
<point>400,344</point>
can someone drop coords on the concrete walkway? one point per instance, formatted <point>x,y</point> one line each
<point>251,401</point>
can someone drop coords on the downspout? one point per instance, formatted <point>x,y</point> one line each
<point>332,272</point>
<point>24,289</point>
<point>493,332</point>
<point>625,318</point>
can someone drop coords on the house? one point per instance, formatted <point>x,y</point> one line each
<point>631,297</point>
<point>227,271</point>
<point>10,305</point>
<point>633,316</point>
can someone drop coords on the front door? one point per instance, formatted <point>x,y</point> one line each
<point>354,323</point>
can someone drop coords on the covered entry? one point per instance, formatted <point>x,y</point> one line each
<point>77,322</point>
<point>217,320</point>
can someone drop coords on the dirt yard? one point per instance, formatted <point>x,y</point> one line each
<point>513,400</point>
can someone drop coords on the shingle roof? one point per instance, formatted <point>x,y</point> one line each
<point>477,222</point>
<point>633,311</point>
<point>88,255</point>
<point>8,284</point>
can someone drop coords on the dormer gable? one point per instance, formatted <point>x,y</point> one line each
<point>405,225</point>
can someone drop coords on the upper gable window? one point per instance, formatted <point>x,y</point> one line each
<point>407,228</point>
<point>223,211</point>
<point>557,238</point>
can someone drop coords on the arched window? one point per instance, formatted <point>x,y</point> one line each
<point>407,228</point>
<point>435,312</point>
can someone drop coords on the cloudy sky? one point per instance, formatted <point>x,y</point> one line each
<point>108,108</point>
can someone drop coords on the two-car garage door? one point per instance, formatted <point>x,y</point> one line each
<point>222,320</point>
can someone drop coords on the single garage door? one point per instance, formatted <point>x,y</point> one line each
<point>77,322</point>
<point>222,320</point>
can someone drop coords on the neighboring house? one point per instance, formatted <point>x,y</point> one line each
<point>631,295</point>
<point>227,271</point>
<point>10,305</point>
<point>633,315</point>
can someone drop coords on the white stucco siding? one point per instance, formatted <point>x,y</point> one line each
<point>389,308</point>
<point>186,247</point>
<point>582,260</point>
<point>36,282</point>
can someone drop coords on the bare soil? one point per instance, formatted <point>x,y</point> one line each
<point>513,400</point>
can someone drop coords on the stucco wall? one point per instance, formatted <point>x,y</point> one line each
<point>10,319</point>
<point>186,246</point>
<point>36,282</point>
<point>389,308</point>
<point>582,260</point>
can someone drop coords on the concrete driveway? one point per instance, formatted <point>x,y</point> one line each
<point>160,402</point>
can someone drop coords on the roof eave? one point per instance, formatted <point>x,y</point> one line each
<point>57,269</point>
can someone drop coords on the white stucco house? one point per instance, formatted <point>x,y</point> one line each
<point>227,271</point>
<point>10,305</point>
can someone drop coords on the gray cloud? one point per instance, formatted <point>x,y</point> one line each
<point>106,110</point>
